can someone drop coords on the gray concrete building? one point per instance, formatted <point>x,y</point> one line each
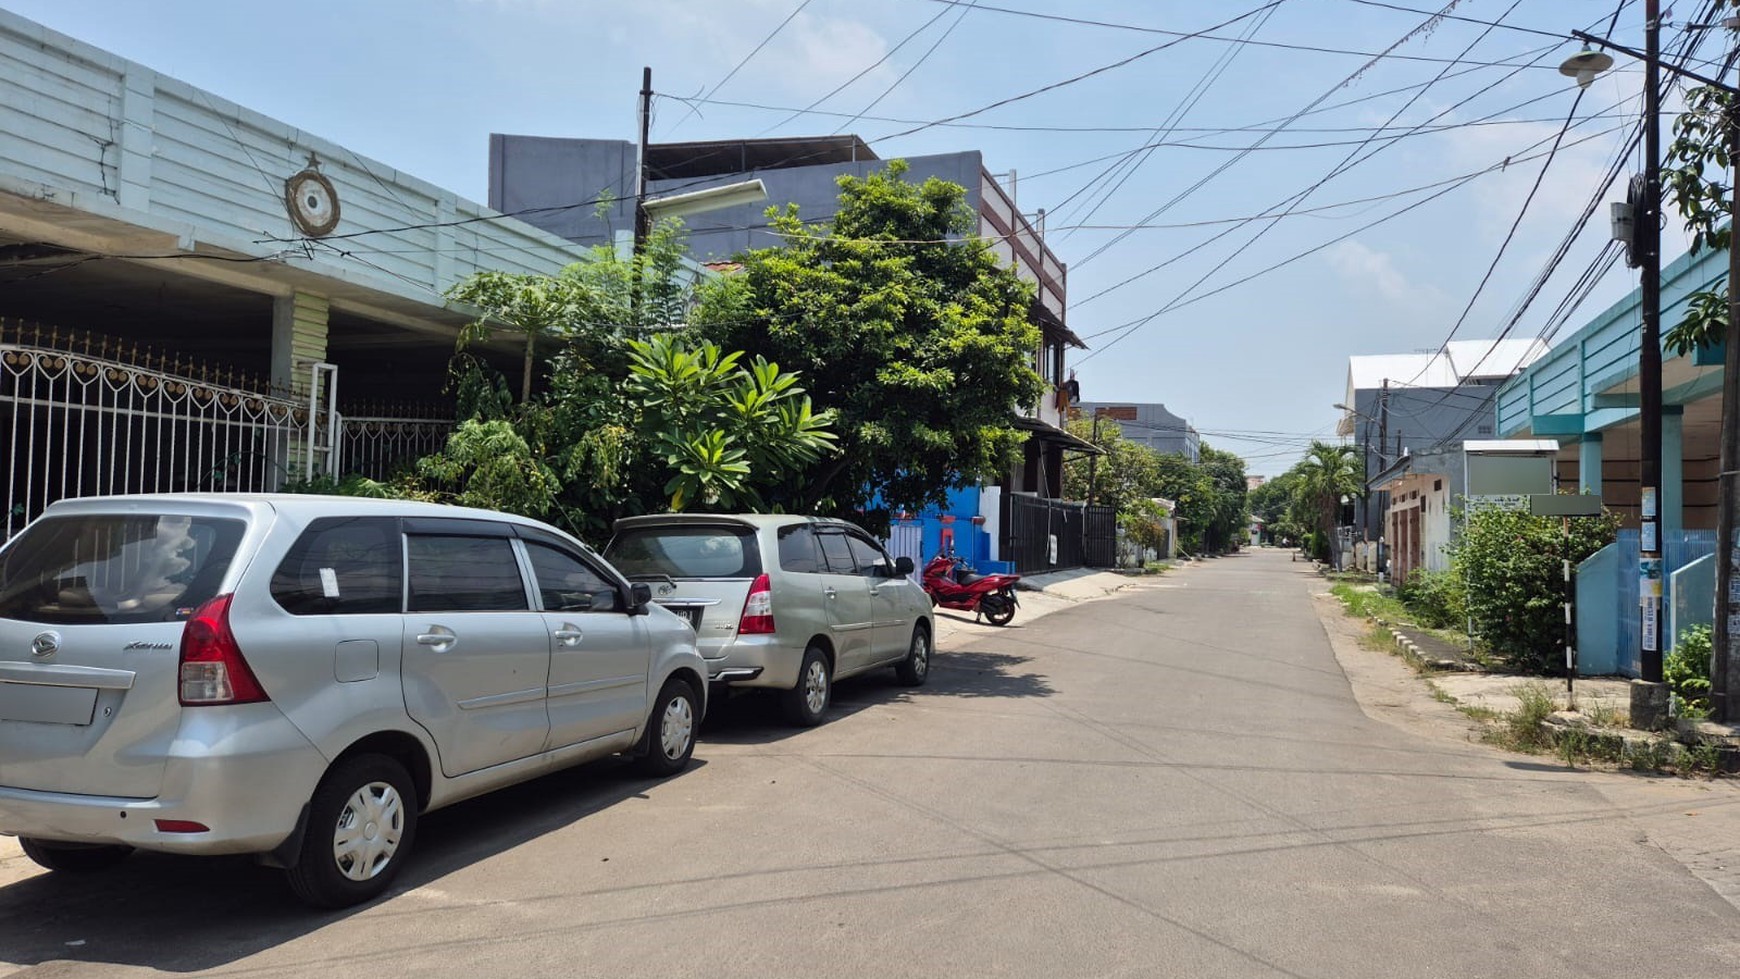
<point>1404,404</point>
<point>1151,425</point>
<point>557,184</point>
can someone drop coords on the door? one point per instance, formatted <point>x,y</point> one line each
<point>476,657</point>
<point>888,597</point>
<point>599,654</point>
<point>846,595</point>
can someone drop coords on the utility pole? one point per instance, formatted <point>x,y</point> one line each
<point>1648,694</point>
<point>641,225</point>
<point>1094,460</point>
<point>1728,494</point>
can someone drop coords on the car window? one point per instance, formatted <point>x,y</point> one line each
<point>116,569</point>
<point>867,558</point>
<point>567,584</point>
<point>837,552</point>
<point>464,574</point>
<point>685,551</point>
<point>797,550</point>
<point>343,566</point>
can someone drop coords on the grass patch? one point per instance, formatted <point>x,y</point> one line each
<point>1520,730</point>
<point>1367,602</point>
<point>1602,714</point>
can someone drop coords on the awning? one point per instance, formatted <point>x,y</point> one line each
<point>1047,432</point>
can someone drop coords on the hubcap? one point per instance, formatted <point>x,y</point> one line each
<point>816,687</point>
<point>676,727</point>
<point>368,831</point>
<point>920,654</point>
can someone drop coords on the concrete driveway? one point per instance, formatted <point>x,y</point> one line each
<point>1175,781</point>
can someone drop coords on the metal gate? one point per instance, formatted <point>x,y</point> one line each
<point>906,539</point>
<point>1045,535</point>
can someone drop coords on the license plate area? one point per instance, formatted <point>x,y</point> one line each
<point>39,704</point>
<point>690,612</point>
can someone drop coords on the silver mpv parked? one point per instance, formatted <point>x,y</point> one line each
<point>300,677</point>
<point>788,603</point>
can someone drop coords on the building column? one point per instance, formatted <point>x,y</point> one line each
<point>1672,470</point>
<point>1589,464</point>
<point>299,325</point>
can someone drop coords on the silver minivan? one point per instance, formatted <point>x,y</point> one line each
<point>788,603</point>
<point>299,677</point>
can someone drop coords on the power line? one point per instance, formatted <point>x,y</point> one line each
<point>1205,35</point>
<point>747,58</point>
<point>910,69</point>
<point>1178,38</point>
<point>837,89</point>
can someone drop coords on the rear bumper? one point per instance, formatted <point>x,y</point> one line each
<point>244,771</point>
<point>756,661</point>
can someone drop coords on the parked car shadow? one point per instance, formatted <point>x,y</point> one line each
<point>189,914</point>
<point>753,717</point>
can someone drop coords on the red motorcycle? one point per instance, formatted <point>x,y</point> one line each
<point>951,583</point>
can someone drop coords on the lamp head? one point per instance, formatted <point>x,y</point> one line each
<point>1585,65</point>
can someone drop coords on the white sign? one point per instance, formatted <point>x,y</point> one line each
<point>328,583</point>
<point>1508,501</point>
<point>1648,502</point>
<point>1651,624</point>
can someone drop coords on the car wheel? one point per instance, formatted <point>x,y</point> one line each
<point>361,822</point>
<point>915,668</point>
<point>999,613</point>
<point>805,703</point>
<point>670,731</point>
<point>74,857</point>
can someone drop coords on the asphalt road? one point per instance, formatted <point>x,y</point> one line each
<point>1177,781</point>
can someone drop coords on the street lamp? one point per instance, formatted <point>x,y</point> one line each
<point>1649,695</point>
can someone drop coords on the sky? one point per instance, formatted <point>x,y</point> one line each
<point>1239,213</point>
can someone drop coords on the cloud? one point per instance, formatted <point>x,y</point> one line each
<point>1374,273</point>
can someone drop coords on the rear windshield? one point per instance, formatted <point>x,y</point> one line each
<point>685,552</point>
<point>103,568</point>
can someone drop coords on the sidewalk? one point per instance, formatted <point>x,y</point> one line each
<point>1043,594</point>
<point>1693,820</point>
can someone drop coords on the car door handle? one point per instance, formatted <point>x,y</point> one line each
<point>438,641</point>
<point>830,593</point>
<point>568,635</point>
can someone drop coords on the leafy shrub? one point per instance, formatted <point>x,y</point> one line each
<point>1687,671</point>
<point>1510,562</point>
<point>1436,597</point>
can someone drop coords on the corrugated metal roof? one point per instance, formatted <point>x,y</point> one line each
<point>1459,361</point>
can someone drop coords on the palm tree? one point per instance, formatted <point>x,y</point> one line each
<point>1327,473</point>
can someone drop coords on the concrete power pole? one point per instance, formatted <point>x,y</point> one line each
<point>1648,693</point>
<point>1728,499</point>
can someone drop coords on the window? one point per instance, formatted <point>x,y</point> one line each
<point>837,553</point>
<point>867,558</point>
<point>797,550</point>
<point>464,574</point>
<point>1437,484</point>
<point>685,551</point>
<point>342,566</point>
<point>102,568</point>
<point>567,584</point>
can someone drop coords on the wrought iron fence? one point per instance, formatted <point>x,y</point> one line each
<point>86,416</point>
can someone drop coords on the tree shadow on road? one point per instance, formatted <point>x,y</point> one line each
<point>190,914</point>
<point>753,717</point>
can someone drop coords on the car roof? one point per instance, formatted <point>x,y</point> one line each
<point>757,520</point>
<point>293,504</point>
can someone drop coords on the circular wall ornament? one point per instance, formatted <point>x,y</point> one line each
<point>312,202</point>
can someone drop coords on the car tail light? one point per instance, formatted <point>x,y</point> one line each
<point>757,609</point>
<point>212,668</point>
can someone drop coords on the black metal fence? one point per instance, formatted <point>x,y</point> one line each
<point>1046,535</point>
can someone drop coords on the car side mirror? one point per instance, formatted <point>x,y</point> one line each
<point>902,566</point>
<point>639,597</point>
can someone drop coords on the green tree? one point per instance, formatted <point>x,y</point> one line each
<point>1511,563</point>
<point>904,324</point>
<point>1697,178</point>
<point>1229,521</point>
<point>1326,474</point>
<point>631,415</point>
<point>1124,474</point>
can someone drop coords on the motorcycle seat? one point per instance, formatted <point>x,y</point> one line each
<point>967,577</point>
